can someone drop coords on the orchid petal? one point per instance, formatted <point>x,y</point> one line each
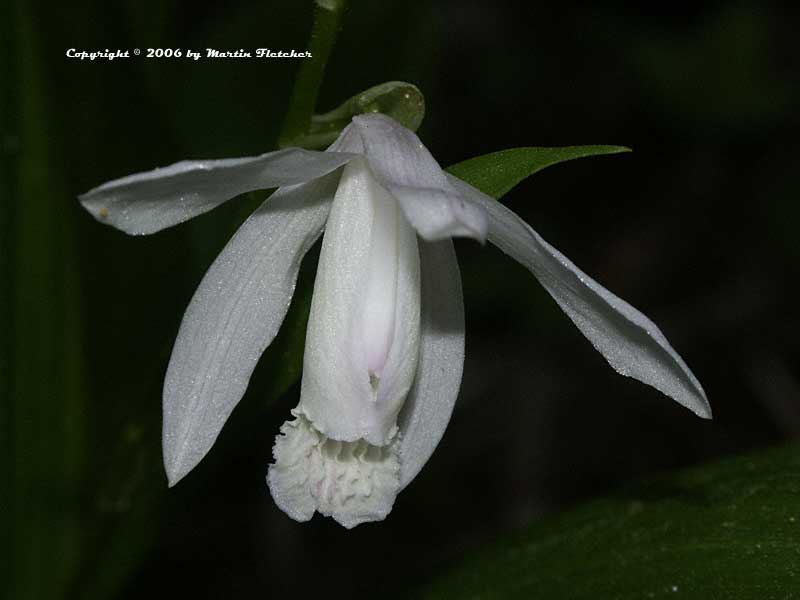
<point>429,405</point>
<point>154,200</point>
<point>234,315</point>
<point>363,329</point>
<point>631,343</point>
<point>404,166</point>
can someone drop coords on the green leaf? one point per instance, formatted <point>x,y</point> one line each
<point>43,372</point>
<point>726,530</point>
<point>496,173</point>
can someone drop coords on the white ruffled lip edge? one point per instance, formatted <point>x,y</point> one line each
<point>352,482</point>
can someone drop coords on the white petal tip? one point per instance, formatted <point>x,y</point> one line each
<point>699,407</point>
<point>178,463</point>
<point>684,389</point>
<point>688,394</point>
<point>353,482</point>
<point>100,212</point>
<point>704,411</point>
<point>174,475</point>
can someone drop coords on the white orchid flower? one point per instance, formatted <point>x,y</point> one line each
<point>385,341</point>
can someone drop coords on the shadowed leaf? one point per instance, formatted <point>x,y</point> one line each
<point>726,530</point>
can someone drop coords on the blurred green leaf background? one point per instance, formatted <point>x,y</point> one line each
<point>727,530</point>
<point>697,227</point>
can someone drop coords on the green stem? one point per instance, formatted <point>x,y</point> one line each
<point>327,21</point>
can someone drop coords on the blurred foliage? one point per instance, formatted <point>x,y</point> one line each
<point>726,530</point>
<point>43,368</point>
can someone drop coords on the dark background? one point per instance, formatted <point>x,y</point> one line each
<point>697,228</point>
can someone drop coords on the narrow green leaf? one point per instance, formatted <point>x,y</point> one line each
<point>726,530</point>
<point>44,375</point>
<point>8,144</point>
<point>496,173</point>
